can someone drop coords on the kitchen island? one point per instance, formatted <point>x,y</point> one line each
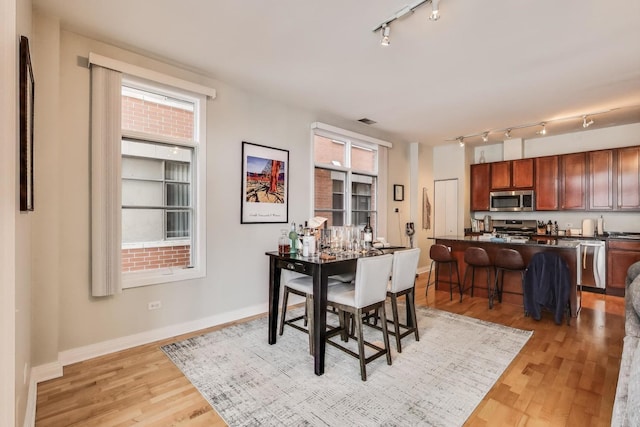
<point>512,287</point>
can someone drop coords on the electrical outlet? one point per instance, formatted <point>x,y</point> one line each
<point>154,305</point>
<point>397,210</point>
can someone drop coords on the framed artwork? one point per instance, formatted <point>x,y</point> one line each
<point>27,96</point>
<point>265,184</point>
<point>398,192</point>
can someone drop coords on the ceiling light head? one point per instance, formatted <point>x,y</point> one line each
<point>460,140</point>
<point>435,10</point>
<point>485,137</point>
<point>585,123</point>
<point>508,133</point>
<point>385,31</point>
<point>543,131</point>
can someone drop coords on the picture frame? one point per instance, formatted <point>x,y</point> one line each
<point>398,192</point>
<point>27,97</point>
<point>265,184</point>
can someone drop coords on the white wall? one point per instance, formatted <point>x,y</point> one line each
<point>237,268</point>
<point>8,181</point>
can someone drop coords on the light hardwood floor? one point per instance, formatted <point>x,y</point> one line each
<point>564,376</point>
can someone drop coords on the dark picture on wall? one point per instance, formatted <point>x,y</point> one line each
<point>27,96</point>
<point>265,175</point>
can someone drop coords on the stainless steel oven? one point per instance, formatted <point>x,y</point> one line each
<point>511,201</point>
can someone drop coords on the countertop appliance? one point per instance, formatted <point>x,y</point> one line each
<point>511,201</point>
<point>588,227</point>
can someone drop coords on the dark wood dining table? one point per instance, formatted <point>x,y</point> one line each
<point>320,270</point>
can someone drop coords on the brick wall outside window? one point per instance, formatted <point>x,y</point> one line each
<point>139,259</point>
<point>151,117</point>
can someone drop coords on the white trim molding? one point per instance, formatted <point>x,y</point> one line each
<point>333,131</point>
<point>134,70</point>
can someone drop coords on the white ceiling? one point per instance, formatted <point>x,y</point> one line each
<point>485,65</point>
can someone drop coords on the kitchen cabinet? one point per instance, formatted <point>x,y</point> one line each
<point>512,175</point>
<point>601,180</point>
<point>620,255</point>
<point>628,165</point>
<point>500,175</point>
<point>573,173</point>
<point>480,186</point>
<point>546,183</point>
<point>522,173</point>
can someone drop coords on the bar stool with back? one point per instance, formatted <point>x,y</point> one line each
<point>508,260</point>
<point>440,254</point>
<point>476,257</point>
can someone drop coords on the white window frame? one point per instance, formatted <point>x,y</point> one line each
<point>350,138</point>
<point>198,143</point>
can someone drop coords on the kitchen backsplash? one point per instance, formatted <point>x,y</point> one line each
<point>619,221</point>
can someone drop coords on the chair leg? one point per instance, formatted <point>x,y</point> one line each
<point>283,312</point>
<point>450,283</point>
<point>309,307</point>
<point>426,292</point>
<point>458,277</point>
<point>385,333</point>
<point>492,290</point>
<point>473,279</point>
<point>360,338</point>
<point>412,304</point>
<point>396,321</point>
<point>464,281</point>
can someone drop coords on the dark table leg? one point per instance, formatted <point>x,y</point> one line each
<point>319,318</point>
<point>274,297</point>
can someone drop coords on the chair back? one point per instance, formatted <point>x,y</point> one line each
<point>477,257</point>
<point>403,273</point>
<point>372,277</point>
<point>440,253</point>
<point>509,259</point>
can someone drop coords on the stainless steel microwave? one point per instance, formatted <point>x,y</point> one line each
<point>511,201</point>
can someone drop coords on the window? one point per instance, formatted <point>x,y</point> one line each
<point>162,193</point>
<point>345,180</point>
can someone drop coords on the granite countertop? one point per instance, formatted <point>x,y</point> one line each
<point>537,241</point>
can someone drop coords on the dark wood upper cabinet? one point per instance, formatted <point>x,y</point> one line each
<point>512,174</point>
<point>480,187</point>
<point>573,182</point>
<point>600,180</point>
<point>522,173</point>
<point>501,175</point>
<point>546,183</point>
<point>628,165</point>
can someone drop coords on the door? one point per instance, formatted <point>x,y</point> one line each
<point>445,209</point>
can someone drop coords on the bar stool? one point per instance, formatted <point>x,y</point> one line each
<point>476,258</point>
<point>506,260</point>
<point>440,254</point>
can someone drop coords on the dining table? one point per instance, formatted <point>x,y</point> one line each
<point>320,268</point>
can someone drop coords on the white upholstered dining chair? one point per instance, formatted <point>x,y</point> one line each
<point>368,292</point>
<point>403,281</point>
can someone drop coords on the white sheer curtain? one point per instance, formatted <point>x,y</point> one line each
<point>106,199</point>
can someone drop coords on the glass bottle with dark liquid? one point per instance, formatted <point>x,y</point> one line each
<point>284,245</point>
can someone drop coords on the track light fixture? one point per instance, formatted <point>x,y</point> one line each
<point>410,8</point>
<point>586,122</point>
<point>543,131</point>
<point>435,10</point>
<point>385,35</point>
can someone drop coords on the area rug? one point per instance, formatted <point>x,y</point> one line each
<point>437,381</point>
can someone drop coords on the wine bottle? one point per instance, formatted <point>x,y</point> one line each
<point>293,236</point>
<point>368,233</point>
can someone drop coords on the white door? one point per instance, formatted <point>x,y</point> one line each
<point>445,209</point>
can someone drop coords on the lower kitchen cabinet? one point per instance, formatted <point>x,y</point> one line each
<point>620,255</point>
